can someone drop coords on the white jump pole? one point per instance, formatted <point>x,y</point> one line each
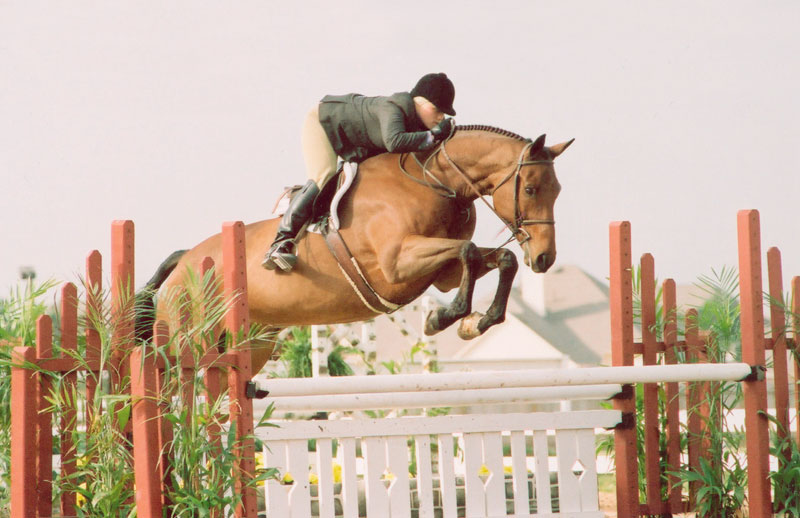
<point>442,398</point>
<point>282,387</point>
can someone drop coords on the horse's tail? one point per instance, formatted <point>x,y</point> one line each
<point>144,304</point>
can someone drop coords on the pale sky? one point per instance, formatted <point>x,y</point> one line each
<point>181,115</point>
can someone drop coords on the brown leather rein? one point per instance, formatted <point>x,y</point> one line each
<point>519,221</point>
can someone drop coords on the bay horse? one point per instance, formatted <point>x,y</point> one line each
<point>408,223</point>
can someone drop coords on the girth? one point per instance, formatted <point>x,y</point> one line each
<point>352,272</point>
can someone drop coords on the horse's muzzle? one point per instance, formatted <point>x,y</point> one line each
<point>542,263</point>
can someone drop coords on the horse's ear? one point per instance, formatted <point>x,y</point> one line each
<point>559,148</point>
<point>537,146</point>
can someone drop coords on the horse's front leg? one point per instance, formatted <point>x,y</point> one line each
<point>420,256</point>
<point>461,306</point>
<point>476,323</point>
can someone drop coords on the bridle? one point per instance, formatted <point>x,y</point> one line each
<point>440,188</point>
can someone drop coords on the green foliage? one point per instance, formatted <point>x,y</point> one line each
<point>18,315</point>
<point>721,481</point>
<point>786,479</point>
<point>201,454</point>
<point>721,477</point>
<point>336,364</point>
<point>720,314</point>
<point>296,353</point>
<point>721,493</point>
<point>18,312</point>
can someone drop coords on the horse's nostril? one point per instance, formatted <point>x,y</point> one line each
<point>541,263</point>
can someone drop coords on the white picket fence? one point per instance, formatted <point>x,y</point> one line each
<point>448,449</point>
<point>433,466</point>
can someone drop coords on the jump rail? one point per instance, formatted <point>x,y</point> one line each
<point>429,444</point>
<point>390,445</point>
<point>507,379</point>
<point>442,398</point>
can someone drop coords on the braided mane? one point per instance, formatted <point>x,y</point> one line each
<point>490,129</point>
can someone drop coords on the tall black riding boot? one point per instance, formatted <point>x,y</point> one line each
<point>281,253</point>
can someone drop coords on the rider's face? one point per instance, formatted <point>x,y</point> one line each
<point>429,114</point>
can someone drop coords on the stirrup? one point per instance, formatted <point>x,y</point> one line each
<point>275,258</point>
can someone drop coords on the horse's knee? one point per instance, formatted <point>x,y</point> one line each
<point>471,255</point>
<point>507,261</point>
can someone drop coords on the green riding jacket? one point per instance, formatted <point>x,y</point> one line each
<point>360,127</point>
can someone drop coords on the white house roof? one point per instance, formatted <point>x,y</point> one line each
<point>513,340</point>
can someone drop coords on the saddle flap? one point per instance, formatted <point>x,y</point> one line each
<point>346,178</point>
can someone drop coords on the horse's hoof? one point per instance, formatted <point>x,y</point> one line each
<point>432,323</point>
<point>468,329</point>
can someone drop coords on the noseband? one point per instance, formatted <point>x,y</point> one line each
<point>519,221</point>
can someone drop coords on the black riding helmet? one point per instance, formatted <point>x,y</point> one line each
<point>438,89</point>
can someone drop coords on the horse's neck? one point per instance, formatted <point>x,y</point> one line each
<point>483,159</point>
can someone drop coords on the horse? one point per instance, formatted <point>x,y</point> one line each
<point>408,224</point>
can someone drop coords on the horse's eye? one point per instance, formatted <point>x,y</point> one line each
<point>530,191</point>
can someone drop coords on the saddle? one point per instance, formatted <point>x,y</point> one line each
<point>327,201</point>
<point>325,221</point>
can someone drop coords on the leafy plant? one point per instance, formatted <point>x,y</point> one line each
<point>296,353</point>
<point>720,477</point>
<point>201,454</point>
<point>720,313</point>
<point>18,314</point>
<point>786,479</point>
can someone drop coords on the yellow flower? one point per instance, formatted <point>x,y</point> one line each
<point>337,472</point>
<point>388,475</point>
<point>287,478</point>
<point>81,462</point>
<point>313,478</point>
<point>507,470</point>
<point>483,471</point>
<point>79,498</point>
<point>259,460</point>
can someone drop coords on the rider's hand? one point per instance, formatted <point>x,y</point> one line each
<point>442,130</point>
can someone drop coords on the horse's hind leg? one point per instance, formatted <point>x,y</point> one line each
<point>441,318</point>
<point>264,348</point>
<point>476,323</point>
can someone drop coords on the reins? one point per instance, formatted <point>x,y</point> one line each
<point>447,192</point>
<point>439,187</point>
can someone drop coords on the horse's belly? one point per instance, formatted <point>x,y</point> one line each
<point>299,300</point>
<point>315,292</point>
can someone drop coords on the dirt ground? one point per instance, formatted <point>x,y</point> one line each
<point>608,504</point>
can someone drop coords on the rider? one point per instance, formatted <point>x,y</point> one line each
<point>355,128</point>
